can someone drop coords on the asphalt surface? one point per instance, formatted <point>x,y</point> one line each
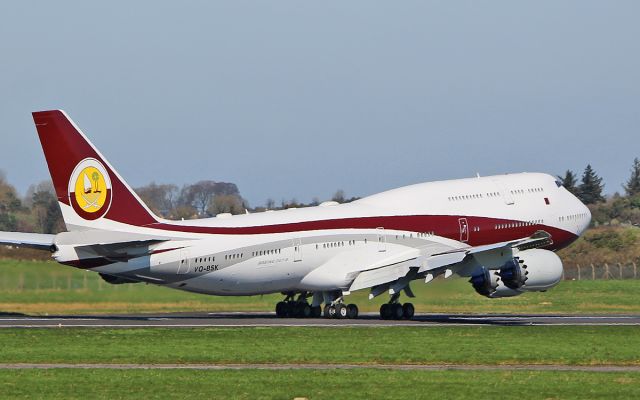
<point>191,320</point>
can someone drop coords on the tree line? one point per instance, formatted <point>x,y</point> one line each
<point>620,208</point>
<point>38,210</point>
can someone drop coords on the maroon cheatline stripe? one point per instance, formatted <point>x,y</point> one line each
<point>442,225</point>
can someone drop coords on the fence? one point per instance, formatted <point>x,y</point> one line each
<point>46,281</point>
<point>591,271</point>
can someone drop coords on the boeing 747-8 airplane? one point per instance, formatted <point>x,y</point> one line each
<point>499,231</point>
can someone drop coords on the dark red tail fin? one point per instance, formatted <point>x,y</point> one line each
<point>90,192</point>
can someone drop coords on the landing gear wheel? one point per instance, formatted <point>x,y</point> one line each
<point>408,310</point>
<point>352,311</point>
<point>305,311</point>
<point>396,311</point>
<point>329,311</point>
<point>281,309</point>
<point>385,311</point>
<point>316,312</point>
<point>341,311</point>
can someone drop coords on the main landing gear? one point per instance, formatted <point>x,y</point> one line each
<point>394,310</point>
<point>341,310</point>
<point>291,307</point>
<point>300,308</point>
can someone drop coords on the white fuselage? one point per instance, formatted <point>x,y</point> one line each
<point>278,251</point>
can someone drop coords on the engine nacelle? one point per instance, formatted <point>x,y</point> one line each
<point>489,284</point>
<point>513,275</point>
<point>534,270</point>
<point>485,282</point>
<point>543,269</point>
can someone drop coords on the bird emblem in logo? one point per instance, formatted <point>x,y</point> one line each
<point>90,189</point>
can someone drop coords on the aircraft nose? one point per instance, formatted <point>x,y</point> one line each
<point>584,210</point>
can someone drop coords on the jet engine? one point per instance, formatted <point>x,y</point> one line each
<point>534,270</point>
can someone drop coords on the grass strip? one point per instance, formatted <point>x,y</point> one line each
<point>37,287</point>
<point>290,384</point>
<point>562,345</point>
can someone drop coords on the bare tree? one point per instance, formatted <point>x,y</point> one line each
<point>200,194</point>
<point>339,196</point>
<point>270,204</point>
<point>227,203</point>
<point>161,199</point>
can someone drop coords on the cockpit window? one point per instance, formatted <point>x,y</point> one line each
<point>558,183</point>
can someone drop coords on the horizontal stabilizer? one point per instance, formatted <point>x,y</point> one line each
<point>32,240</point>
<point>110,244</point>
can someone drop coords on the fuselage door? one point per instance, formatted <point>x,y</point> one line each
<point>464,229</point>
<point>297,250</point>
<point>504,192</point>
<point>185,262</point>
<point>382,240</point>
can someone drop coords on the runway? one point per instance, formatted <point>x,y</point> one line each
<point>261,319</point>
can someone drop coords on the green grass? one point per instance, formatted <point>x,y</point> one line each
<point>289,384</point>
<point>37,287</point>
<point>563,345</point>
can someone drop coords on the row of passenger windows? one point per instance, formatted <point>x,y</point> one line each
<point>472,196</point>
<point>519,224</point>
<point>426,234</point>
<point>331,245</point>
<point>233,256</point>
<point>204,259</point>
<point>572,217</point>
<point>493,194</point>
<point>265,252</point>
<point>530,190</point>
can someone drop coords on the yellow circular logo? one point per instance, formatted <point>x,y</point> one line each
<point>90,189</point>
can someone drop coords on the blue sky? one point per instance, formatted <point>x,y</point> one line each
<point>294,99</point>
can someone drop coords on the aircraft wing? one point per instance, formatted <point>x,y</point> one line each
<point>395,274</point>
<point>32,240</point>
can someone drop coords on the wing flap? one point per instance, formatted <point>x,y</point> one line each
<point>375,277</point>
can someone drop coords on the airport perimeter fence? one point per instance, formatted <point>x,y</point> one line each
<point>590,271</point>
<point>56,281</point>
<point>61,280</point>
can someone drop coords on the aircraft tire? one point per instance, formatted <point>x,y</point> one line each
<point>385,311</point>
<point>316,312</point>
<point>305,310</point>
<point>296,310</point>
<point>408,310</point>
<point>352,311</point>
<point>341,311</point>
<point>396,311</point>
<point>281,309</point>
<point>333,312</point>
